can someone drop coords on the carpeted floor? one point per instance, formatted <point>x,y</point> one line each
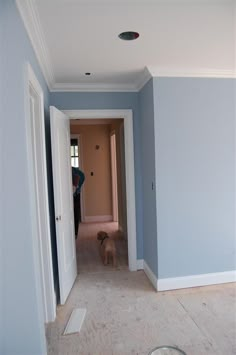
<point>88,255</point>
<point>125,316</point>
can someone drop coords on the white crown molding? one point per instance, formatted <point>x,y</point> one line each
<point>29,15</point>
<point>143,78</point>
<point>92,87</point>
<point>148,73</point>
<point>191,73</point>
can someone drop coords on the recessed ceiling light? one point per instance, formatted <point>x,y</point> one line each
<point>87,73</point>
<point>128,35</point>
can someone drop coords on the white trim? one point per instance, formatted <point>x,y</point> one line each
<point>143,78</point>
<point>196,280</point>
<point>139,264</point>
<point>191,73</point>
<point>93,87</point>
<point>148,73</point>
<point>234,22</point>
<point>113,145</point>
<point>234,115</point>
<point>78,136</point>
<point>150,275</point>
<point>90,219</point>
<point>30,18</point>
<point>44,255</point>
<point>127,115</point>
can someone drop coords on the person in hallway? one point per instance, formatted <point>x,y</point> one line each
<point>77,181</point>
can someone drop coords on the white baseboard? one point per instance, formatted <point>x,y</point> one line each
<point>150,274</point>
<point>139,264</point>
<point>196,280</point>
<point>176,283</point>
<point>89,219</point>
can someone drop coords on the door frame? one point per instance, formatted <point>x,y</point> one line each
<point>44,279</point>
<point>114,175</point>
<point>127,115</point>
<point>78,136</point>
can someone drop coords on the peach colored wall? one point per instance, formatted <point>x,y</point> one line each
<point>97,191</point>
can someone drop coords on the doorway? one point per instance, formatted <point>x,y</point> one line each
<point>128,173</point>
<point>97,148</point>
<point>60,142</point>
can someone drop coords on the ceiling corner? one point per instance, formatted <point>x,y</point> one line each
<point>30,18</point>
<point>143,78</point>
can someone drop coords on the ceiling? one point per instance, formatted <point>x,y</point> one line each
<point>177,38</point>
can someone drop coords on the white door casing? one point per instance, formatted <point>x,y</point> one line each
<point>127,115</point>
<point>79,138</point>
<point>37,172</point>
<point>114,176</point>
<point>63,195</point>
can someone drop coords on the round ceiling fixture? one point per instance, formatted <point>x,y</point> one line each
<point>128,35</point>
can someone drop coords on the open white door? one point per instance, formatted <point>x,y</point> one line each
<point>62,184</point>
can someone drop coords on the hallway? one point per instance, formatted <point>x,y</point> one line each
<point>87,248</point>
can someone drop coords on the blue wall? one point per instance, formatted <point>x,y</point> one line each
<point>195,135</point>
<point>184,142</point>
<point>22,311</point>
<point>1,179</point>
<point>148,169</point>
<point>90,101</point>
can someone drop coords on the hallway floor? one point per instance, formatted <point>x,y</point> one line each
<point>125,316</point>
<point>88,255</point>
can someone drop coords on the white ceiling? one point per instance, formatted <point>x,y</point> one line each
<point>177,38</point>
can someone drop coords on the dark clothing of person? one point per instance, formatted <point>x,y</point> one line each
<point>77,181</point>
<point>77,213</point>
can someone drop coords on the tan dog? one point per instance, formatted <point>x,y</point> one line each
<point>108,248</point>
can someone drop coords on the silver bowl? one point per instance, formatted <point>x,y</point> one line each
<point>166,350</point>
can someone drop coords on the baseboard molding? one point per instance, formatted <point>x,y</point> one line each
<point>139,264</point>
<point>196,280</point>
<point>150,275</point>
<point>89,219</point>
<point>176,283</point>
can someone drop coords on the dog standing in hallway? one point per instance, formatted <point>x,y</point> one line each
<point>107,248</point>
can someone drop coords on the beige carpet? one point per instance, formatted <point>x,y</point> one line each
<point>125,316</point>
<point>88,256</point>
